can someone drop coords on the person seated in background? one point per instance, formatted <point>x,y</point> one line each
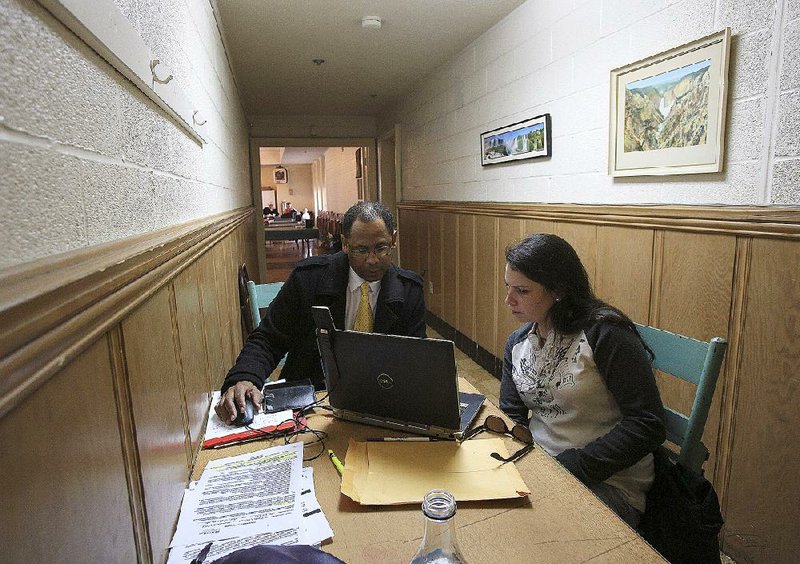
<point>364,290</point>
<point>270,211</point>
<point>579,375</point>
<point>307,217</point>
<point>290,212</point>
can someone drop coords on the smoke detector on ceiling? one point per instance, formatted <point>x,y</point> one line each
<point>371,22</point>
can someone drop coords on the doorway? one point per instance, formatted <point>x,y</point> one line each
<point>320,184</point>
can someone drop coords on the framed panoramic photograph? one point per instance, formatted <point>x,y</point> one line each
<point>527,139</point>
<point>668,110</point>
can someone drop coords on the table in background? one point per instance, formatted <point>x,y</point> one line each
<point>299,234</point>
<point>560,521</point>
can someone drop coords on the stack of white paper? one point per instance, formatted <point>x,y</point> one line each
<point>264,497</point>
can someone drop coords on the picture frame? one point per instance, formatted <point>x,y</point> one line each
<point>280,175</point>
<point>668,110</point>
<point>527,139</point>
<point>359,168</point>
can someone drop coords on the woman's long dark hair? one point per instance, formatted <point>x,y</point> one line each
<point>552,262</point>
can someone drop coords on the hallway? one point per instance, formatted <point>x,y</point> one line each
<point>281,259</point>
<point>282,256</point>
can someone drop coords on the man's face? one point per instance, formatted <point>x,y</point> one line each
<point>369,249</point>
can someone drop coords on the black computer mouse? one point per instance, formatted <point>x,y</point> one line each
<point>245,417</point>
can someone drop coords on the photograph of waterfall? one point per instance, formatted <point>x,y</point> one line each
<point>526,139</point>
<point>668,110</point>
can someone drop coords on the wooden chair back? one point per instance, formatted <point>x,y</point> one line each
<point>697,362</point>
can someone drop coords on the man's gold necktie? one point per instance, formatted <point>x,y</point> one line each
<point>364,319</point>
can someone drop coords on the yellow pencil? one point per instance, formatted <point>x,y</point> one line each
<point>336,462</point>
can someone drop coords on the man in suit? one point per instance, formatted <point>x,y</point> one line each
<point>364,290</point>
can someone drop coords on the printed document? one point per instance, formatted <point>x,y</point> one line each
<point>243,495</point>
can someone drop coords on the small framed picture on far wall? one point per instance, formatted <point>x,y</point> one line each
<point>280,175</point>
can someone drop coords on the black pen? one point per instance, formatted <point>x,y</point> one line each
<point>201,556</point>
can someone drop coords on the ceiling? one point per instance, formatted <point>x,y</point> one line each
<point>271,45</point>
<point>290,155</point>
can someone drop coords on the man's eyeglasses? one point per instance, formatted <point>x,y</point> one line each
<point>380,251</point>
<point>496,424</point>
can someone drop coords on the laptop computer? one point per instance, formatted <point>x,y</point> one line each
<point>404,383</point>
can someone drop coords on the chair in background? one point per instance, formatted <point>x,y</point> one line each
<point>244,302</point>
<point>261,295</point>
<point>697,362</point>
<point>252,298</point>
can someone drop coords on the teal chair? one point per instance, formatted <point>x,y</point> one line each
<point>697,362</point>
<point>253,298</point>
<point>261,295</point>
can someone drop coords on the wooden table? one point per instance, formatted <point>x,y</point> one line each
<point>297,234</point>
<point>560,521</point>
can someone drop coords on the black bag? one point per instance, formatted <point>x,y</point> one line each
<point>682,518</point>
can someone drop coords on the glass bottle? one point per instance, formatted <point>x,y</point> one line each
<point>439,544</point>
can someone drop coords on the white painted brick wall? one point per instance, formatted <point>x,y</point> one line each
<point>555,57</point>
<point>86,157</point>
<point>786,166</point>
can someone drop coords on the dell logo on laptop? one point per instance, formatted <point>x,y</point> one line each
<point>385,381</point>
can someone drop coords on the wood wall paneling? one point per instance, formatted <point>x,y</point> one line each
<point>209,305</point>
<point>465,276</point>
<point>729,378</point>
<point>538,226</point>
<point>156,399</point>
<point>695,293</point>
<point>763,492</point>
<point>193,351</point>
<point>623,271</point>
<point>509,231</point>
<point>238,243</point>
<point>583,238</point>
<point>450,275</point>
<point>142,326</point>
<point>246,246</point>
<point>179,375</point>
<point>435,267</point>
<point>219,262</point>
<point>423,232</point>
<point>408,239</point>
<point>65,496</point>
<point>227,268</point>
<point>695,297</point>
<point>486,281</point>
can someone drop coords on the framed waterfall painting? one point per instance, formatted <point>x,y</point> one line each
<point>527,139</point>
<point>668,111</point>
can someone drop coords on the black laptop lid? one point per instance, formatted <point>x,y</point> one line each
<point>404,379</point>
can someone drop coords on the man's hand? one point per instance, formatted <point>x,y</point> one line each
<point>232,401</point>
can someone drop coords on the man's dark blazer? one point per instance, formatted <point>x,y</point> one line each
<point>288,325</point>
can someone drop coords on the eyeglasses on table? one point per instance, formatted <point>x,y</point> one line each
<point>495,424</point>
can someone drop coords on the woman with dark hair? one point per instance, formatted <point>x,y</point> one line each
<point>578,374</point>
